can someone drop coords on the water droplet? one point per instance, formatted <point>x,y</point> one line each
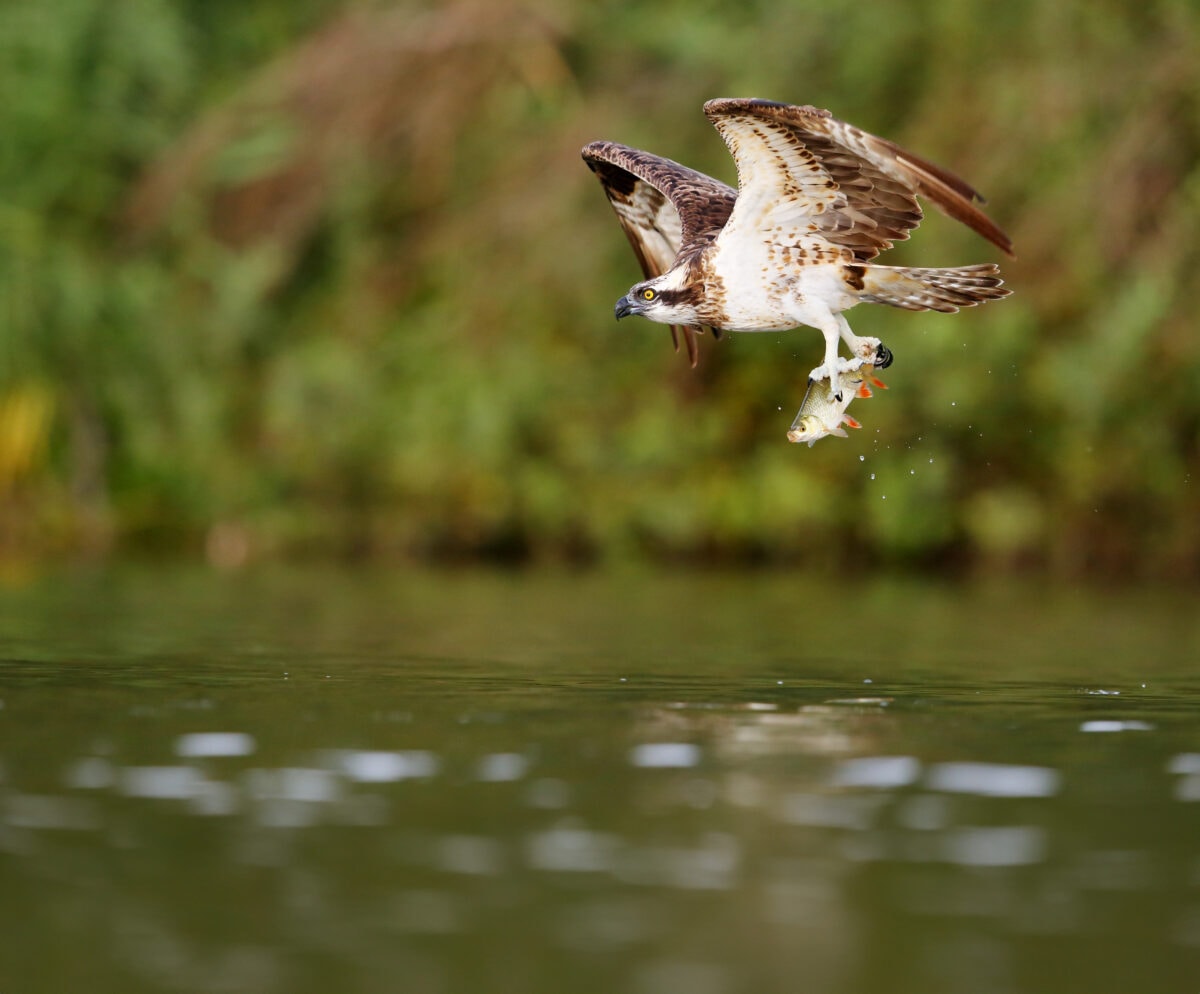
<point>872,476</point>
<point>883,496</point>
<point>862,458</point>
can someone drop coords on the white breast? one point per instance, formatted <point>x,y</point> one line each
<point>772,287</point>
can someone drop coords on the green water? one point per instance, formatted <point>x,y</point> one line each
<point>334,781</point>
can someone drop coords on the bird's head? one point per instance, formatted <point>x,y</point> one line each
<point>664,299</point>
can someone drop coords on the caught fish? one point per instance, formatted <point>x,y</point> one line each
<point>821,413</point>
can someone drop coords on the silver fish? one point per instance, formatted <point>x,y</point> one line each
<point>821,413</point>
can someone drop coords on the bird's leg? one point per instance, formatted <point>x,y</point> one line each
<point>834,364</point>
<point>867,349</point>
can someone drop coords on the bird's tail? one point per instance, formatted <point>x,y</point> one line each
<point>932,289</point>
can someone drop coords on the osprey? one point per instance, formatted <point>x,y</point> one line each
<point>817,199</point>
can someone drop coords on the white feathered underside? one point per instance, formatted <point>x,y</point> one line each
<point>784,191</point>
<point>764,202</point>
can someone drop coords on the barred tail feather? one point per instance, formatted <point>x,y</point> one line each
<point>943,290</point>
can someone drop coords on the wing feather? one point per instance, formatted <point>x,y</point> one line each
<point>828,182</point>
<point>668,211</point>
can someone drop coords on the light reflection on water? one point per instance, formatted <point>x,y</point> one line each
<point>327,782</point>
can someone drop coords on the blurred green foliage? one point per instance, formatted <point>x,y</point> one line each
<point>282,278</point>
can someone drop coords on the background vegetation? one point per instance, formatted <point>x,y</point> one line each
<point>302,276</point>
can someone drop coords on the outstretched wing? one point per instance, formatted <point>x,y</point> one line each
<point>826,182</point>
<point>666,210</point>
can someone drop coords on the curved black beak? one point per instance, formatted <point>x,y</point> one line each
<point>624,307</point>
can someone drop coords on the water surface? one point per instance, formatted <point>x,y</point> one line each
<point>333,780</point>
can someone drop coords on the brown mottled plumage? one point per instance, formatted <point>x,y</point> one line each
<point>817,199</point>
<point>670,213</point>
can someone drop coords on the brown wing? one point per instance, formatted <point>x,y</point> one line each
<point>801,169</point>
<point>667,211</point>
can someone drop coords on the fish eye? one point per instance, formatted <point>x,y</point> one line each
<point>648,294</point>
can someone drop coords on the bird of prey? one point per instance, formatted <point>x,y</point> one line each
<point>817,200</point>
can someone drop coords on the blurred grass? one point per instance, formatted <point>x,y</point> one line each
<point>317,278</point>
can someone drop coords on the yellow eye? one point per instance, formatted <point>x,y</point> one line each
<point>648,294</point>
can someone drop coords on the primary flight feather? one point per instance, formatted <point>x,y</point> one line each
<point>817,199</point>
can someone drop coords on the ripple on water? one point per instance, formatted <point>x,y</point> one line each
<point>665,755</point>
<point>211,745</point>
<point>993,779</point>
